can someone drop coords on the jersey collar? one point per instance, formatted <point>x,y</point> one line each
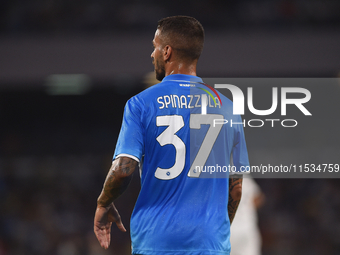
<point>182,77</point>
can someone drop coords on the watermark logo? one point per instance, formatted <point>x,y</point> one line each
<point>239,105</point>
<point>238,99</point>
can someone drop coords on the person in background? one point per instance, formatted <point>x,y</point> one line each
<point>245,235</point>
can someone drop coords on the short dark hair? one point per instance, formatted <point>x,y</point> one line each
<point>184,34</point>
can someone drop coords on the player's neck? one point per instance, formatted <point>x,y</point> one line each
<point>180,68</point>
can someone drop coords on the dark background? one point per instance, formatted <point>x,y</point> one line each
<point>66,71</point>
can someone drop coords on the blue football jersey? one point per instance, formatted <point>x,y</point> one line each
<point>184,134</point>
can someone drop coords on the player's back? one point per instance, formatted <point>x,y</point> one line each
<point>182,205</point>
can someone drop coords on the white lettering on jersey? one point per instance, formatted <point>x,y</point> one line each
<point>178,102</point>
<point>191,97</point>
<point>167,101</point>
<point>185,101</point>
<point>160,102</point>
<point>198,99</point>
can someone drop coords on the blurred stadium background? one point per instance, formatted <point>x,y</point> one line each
<point>66,70</point>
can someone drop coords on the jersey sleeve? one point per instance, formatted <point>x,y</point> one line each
<point>131,139</point>
<point>240,153</point>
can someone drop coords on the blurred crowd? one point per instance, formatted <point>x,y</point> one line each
<point>58,17</point>
<point>47,206</point>
<point>48,203</point>
<point>300,216</point>
<point>55,153</point>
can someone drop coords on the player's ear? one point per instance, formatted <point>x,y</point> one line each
<point>167,51</point>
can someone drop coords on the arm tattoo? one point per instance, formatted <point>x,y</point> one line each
<point>117,180</point>
<point>235,183</point>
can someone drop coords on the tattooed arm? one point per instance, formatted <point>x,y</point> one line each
<point>235,193</point>
<point>116,182</point>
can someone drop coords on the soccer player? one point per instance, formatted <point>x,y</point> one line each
<point>175,132</point>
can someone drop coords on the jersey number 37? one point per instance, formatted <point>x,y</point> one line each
<point>174,123</point>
